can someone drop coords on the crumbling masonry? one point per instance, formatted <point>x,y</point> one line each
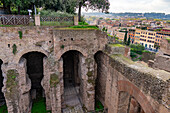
<point>44,58</point>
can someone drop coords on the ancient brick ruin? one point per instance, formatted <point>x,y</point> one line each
<point>46,61</point>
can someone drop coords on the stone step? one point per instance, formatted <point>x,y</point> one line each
<point>76,109</point>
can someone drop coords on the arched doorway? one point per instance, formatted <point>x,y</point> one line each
<point>3,108</point>
<point>35,72</point>
<point>100,87</point>
<point>128,104</point>
<point>73,87</point>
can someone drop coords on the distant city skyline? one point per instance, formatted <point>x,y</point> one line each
<point>138,6</point>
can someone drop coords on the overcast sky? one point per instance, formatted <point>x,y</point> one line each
<point>139,6</point>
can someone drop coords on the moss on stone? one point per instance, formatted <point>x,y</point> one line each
<point>116,45</point>
<point>12,84</point>
<point>90,73</point>
<point>122,58</point>
<point>54,80</point>
<point>91,81</point>
<point>11,78</point>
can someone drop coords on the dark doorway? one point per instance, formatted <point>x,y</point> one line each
<point>3,107</point>
<point>35,72</point>
<point>2,98</point>
<point>100,87</point>
<point>72,81</point>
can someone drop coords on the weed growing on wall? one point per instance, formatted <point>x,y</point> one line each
<point>14,49</point>
<point>20,34</point>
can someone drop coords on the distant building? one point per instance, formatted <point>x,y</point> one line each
<point>131,33</point>
<point>137,36</point>
<point>120,35</point>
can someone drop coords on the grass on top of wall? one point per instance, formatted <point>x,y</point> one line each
<point>3,109</point>
<point>168,39</point>
<point>84,27</point>
<point>56,23</point>
<point>116,45</point>
<point>39,106</point>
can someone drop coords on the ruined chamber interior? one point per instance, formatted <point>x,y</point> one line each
<point>35,73</point>
<point>72,80</point>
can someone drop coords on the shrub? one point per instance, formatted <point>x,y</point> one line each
<point>50,13</point>
<point>83,23</point>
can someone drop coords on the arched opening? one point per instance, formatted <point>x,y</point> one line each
<point>3,108</point>
<point>34,70</point>
<point>128,104</point>
<point>73,88</point>
<point>100,87</point>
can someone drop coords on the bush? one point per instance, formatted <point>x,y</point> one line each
<point>83,23</point>
<point>50,13</point>
<point>137,48</point>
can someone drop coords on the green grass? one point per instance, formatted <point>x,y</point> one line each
<point>145,51</point>
<point>99,106</point>
<point>168,40</point>
<point>84,27</point>
<point>31,24</point>
<point>116,45</point>
<point>3,109</point>
<point>39,106</point>
<point>83,23</point>
<point>56,23</point>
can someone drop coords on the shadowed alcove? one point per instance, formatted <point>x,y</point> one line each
<point>72,80</point>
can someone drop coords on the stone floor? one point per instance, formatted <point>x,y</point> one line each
<point>71,99</point>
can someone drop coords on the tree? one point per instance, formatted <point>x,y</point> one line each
<point>125,37</point>
<point>68,6</point>
<point>128,42</point>
<point>101,5</point>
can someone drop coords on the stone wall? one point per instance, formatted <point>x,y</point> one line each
<point>139,81</point>
<point>146,56</point>
<point>104,66</point>
<point>15,42</point>
<point>162,58</point>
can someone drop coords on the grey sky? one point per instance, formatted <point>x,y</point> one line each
<point>139,6</point>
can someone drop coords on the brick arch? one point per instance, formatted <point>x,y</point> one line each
<point>20,54</point>
<point>126,86</point>
<point>68,48</point>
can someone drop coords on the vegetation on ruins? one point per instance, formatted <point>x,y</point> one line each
<point>39,106</point>
<point>84,27</point>
<point>54,80</point>
<point>116,45</point>
<point>20,34</point>
<point>62,46</point>
<point>168,39</point>
<point>3,109</point>
<point>136,51</point>
<point>98,106</point>
<point>14,49</point>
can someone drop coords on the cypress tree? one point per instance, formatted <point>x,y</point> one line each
<point>128,43</point>
<point>125,38</point>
